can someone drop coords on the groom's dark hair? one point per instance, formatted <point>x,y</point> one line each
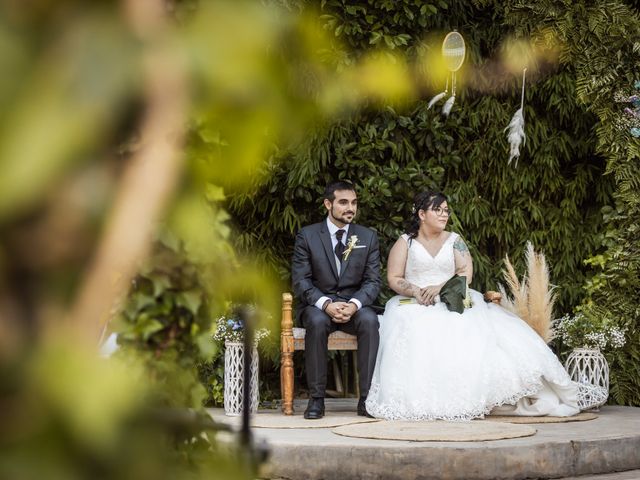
<point>330,189</point>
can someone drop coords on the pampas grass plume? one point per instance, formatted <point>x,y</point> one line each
<point>517,290</point>
<point>531,299</point>
<point>540,294</point>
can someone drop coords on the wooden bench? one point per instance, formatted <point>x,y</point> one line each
<point>292,339</point>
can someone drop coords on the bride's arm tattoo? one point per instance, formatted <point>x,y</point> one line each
<point>464,263</point>
<point>461,246</point>
<point>405,288</point>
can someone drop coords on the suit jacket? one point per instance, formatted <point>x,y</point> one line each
<point>314,272</point>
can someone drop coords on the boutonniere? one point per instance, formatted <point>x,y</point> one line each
<point>353,243</point>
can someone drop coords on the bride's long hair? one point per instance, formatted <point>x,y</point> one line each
<point>423,201</point>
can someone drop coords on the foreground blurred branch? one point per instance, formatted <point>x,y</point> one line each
<point>149,180</point>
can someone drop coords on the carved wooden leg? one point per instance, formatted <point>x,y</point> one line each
<point>286,355</point>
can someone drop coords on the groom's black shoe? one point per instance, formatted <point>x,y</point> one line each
<point>315,409</point>
<point>362,409</point>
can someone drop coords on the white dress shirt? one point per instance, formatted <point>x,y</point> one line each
<point>333,228</point>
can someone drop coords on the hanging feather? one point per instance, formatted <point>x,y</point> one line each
<point>439,96</point>
<point>436,99</point>
<point>448,105</point>
<point>516,136</point>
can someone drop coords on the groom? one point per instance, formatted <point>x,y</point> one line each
<point>336,278</point>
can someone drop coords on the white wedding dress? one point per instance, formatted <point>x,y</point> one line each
<point>436,364</point>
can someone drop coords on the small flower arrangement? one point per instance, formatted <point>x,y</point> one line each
<point>467,302</point>
<point>230,328</point>
<point>582,331</point>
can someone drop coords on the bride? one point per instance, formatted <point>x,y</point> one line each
<point>437,364</point>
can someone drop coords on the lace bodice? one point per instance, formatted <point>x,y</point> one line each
<point>422,269</point>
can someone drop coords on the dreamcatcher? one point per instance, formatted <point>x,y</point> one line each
<point>453,52</point>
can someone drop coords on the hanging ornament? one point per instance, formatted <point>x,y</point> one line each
<point>516,135</point>
<point>453,52</point>
<point>439,96</point>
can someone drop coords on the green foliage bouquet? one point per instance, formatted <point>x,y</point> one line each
<point>585,331</point>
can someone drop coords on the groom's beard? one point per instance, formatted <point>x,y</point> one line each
<point>344,217</point>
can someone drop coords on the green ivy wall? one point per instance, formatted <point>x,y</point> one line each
<point>574,193</point>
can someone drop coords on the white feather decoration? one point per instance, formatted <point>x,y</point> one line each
<point>516,135</point>
<point>448,105</point>
<point>436,99</point>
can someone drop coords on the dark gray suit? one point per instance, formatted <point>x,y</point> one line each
<point>314,275</point>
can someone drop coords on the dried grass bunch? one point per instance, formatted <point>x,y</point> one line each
<point>532,298</point>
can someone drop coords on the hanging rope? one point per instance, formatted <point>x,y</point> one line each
<point>524,74</point>
<point>448,105</point>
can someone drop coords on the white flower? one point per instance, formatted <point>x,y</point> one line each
<point>353,243</point>
<point>467,302</point>
<point>585,331</point>
<point>232,329</point>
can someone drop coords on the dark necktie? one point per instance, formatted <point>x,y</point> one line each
<point>339,246</point>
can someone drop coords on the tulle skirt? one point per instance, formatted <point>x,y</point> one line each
<point>435,364</point>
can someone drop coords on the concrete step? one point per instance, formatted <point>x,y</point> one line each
<point>629,475</point>
<point>608,444</point>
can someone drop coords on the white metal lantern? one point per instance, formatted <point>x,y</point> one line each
<point>590,370</point>
<point>234,378</point>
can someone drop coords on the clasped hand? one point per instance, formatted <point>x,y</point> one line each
<point>341,312</point>
<point>428,294</point>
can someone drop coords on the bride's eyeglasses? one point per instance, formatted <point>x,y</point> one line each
<point>441,212</point>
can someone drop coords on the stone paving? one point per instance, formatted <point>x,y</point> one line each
<point>608,444</point>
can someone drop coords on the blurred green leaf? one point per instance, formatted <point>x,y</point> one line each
<point>39,138</point>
